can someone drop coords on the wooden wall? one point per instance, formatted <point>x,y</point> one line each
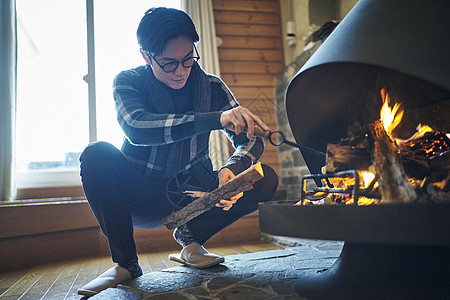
<point>36,233</point>
<point>250,55</point>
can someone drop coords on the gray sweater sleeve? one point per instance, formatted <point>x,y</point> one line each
<point>247,151</point>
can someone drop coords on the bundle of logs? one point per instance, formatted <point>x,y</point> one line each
<point>415,171</point>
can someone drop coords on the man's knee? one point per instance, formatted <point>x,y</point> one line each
<point>269,183</point>
<point>96,151</point>
<point>270,175</point>
<point>97,157</point>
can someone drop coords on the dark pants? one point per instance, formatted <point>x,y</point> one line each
<point>121,198</point>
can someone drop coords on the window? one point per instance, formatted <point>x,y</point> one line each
<point>52,119</point>
<point>53,122</point>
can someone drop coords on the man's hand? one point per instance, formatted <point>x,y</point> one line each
<point>225,175</point>
<point>240,119</point>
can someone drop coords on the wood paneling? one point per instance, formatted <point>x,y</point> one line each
<point>250,92</point>
<point>39,233</point>
<point>50,192</point>
<point>238,5</point>
<point>269,157</point>
<point>244,80</point>
<point>247,30</point>
<point>250,55</point>
<point>244,230</point>
<point>245,42</point>
<point>255,67</point>
<point>154,239</point>
<point>45,217</point>
<point>246,17</point>
<point>26,251</point>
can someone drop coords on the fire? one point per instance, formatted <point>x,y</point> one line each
<point>367,177</point>
<point>345,184</point>
<point>425,141</point>
<point>425,158</point>
<point>390,117</point>
<point>421,130</point>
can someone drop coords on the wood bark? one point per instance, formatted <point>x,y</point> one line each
<point>241,183</point>
<point>394,184</point>
<point>343,158</point>
<point>440,166</point>
<point>427,156</point>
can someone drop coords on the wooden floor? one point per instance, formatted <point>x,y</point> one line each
<point>61,280</point>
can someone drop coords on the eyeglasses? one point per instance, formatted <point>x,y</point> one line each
<point>173,65</point>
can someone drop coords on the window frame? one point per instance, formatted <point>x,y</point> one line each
<point>63,183</point>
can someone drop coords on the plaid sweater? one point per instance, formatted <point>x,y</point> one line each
<point>161,143</point>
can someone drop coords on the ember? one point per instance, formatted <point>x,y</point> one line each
<point>392,169</point>
<point>427,144</point>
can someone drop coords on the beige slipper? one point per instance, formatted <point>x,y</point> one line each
<point>195,256</point>
<point>111,278</point>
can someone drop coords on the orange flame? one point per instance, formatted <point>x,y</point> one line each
<point>390,117</point>
<point>420,132</point>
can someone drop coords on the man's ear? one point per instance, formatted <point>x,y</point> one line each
<point>145,56</point>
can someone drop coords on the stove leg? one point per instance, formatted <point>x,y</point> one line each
<point>375,271</point>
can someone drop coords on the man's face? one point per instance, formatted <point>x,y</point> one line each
<point>177,49</point>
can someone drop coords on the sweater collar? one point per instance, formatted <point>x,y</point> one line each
<point>162,101</point>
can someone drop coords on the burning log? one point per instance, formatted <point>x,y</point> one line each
<point>394,184</point>
<point>416,169</point>
<point>440,164</point>
<point>430,144</point>
<point>241,183</point>
<point>427,156</point>
<point>437,195</point>
<point>433,192</point>
<point>436,168</point>
<point>446,187</point>
<point>342,158</point>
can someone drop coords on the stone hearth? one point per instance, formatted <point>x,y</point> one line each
<point>261,275</point>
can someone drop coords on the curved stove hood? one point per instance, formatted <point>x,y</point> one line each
<point>403,45</point>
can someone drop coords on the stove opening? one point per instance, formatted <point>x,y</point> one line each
<point>372,163</point>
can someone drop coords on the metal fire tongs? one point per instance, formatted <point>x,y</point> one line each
<point>277,138</point>
<point>355,191</point>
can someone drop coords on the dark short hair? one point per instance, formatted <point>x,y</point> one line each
<point>161,24</point>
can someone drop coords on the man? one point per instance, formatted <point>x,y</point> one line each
<point>167,110</point>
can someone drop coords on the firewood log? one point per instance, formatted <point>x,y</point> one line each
<point>440,166</point>
<point>446,187</point>
<point>427,156</point>
<point>343,158</point>
<point>394,184</point>
<point>241,183</point>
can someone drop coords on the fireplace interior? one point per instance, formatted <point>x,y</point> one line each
<point>397,249</point>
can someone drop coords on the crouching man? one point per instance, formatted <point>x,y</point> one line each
<point>167,109</point>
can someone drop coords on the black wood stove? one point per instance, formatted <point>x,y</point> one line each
<point>394,251</point>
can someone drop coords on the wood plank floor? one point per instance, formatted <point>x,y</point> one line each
<point>61,280</point>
